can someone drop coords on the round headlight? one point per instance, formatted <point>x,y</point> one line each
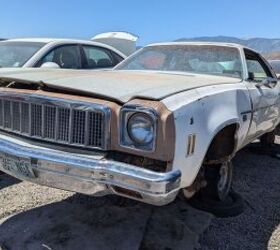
<point>140,129</point>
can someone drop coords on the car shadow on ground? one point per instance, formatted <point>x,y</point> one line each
<point>104,223</point>
<point>6,180</point>
<point>257,179</point>
<point>118,223</point>
<point>256,148</point>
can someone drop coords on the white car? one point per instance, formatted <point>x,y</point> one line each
<point>58,53</point>
<point>170,117</point>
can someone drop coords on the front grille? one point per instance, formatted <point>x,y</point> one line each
<point>79,126</point>
<point>16,116</point>
<point>36,120</point>
<point>63,124</point>
<point>59,121</point>
<point>7,115</point>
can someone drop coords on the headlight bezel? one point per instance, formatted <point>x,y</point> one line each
<point>126,114</point>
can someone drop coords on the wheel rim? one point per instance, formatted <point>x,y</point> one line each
<point>225,178</point>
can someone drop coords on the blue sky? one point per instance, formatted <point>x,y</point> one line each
<point>152,20</point>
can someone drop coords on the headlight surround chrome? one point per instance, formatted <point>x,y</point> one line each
<point>138,128</point>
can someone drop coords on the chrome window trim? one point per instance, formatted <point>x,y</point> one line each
<point>63,103</point>
<point>126,112</point>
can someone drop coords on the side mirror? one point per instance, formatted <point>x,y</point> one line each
<point>50,65</point>
<point>268,82</point>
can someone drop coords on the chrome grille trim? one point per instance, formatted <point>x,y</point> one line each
<point>79,126</point>
<point>36,120</point>
<point>1,113</point>
<point>25,118</point>
<point>93,123</point>
<point>62,121</point>
<point>50,123</point>
<point>7,115</point>
<point>16,116</point>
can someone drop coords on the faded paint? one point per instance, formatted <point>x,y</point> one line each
<point>120,85</point>
<point>200,105</point>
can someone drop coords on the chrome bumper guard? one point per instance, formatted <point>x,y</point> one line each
<point>90,174</point>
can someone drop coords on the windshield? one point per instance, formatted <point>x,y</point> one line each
<point>201,59</point>
<point>16,54</point>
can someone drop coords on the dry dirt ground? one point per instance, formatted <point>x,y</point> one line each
<point>33,217</point>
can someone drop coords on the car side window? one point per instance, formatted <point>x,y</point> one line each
<point>96,57</point>
<point>117,57</point>
<point>257,68</point>
<point>67,57</point>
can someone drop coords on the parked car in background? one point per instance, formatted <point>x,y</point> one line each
<point>58,53</point>
<point>170,117</point>
<point>124,41</point>
<point>276,66</point>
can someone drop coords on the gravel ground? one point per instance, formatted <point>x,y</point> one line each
<point>35,217</point>
<point>257,179</point>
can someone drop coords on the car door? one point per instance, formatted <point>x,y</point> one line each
<point>264,92</point>
<point>95,57</point>
<point>65,56</point>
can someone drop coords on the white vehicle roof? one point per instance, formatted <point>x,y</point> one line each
<point>36,40</point>
<point>117,35</point>
<point>235,45</point>
<point>58,41</point>
<point>124,41</point>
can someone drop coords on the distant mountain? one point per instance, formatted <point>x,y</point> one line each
<point>263,45</point>
<point>273,56</point>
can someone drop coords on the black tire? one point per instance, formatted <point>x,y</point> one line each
<point>268,139</point>
<point>219,181</point>
<point>230,207</point>
<point>277,130</point>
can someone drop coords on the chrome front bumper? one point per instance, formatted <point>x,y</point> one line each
<point>91,174</point>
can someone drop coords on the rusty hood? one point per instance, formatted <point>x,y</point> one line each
<point>121,86</point>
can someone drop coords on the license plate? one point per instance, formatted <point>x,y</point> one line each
<point>17,165</point>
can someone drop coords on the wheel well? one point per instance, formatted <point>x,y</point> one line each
<point>222,146</point>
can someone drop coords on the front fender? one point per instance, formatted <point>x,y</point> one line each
<point>204,113</point>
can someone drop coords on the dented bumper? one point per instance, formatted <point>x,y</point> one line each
<point>91,174</point>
